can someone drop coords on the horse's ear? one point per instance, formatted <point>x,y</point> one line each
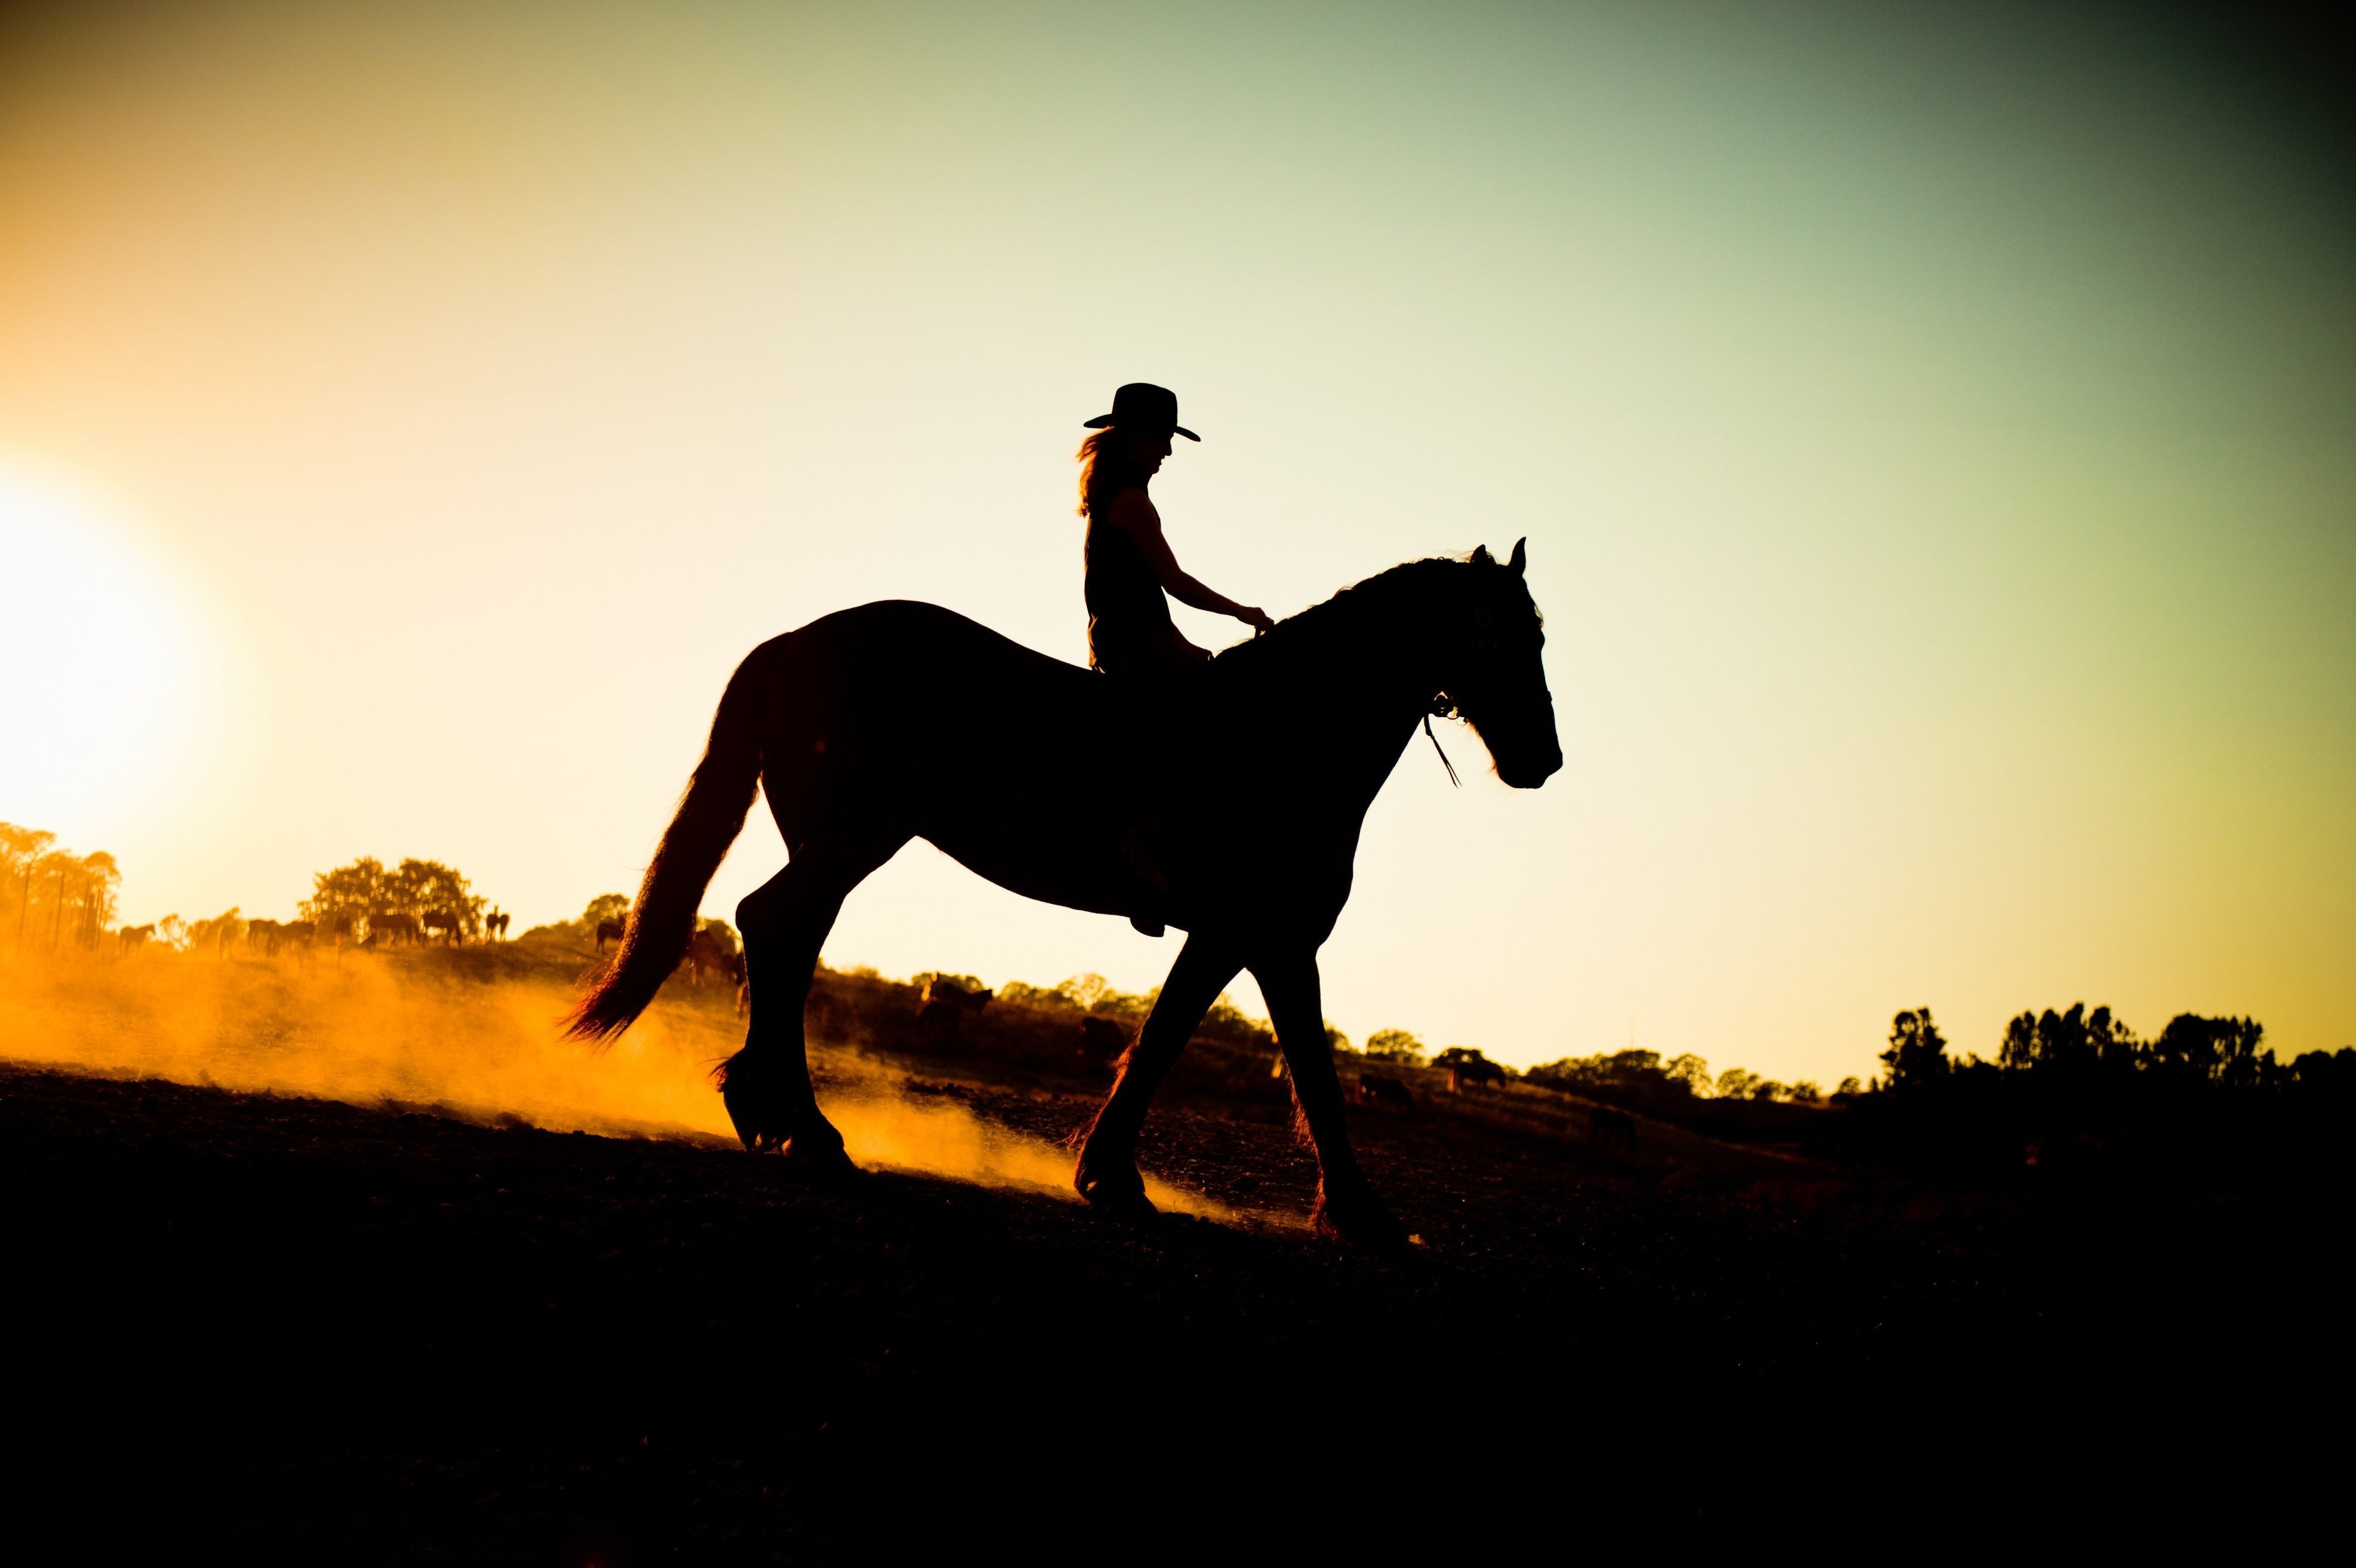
<point>1521,555</point>
<point>1481,556</point>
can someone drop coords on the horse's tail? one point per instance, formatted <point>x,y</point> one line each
<point>662,920</point>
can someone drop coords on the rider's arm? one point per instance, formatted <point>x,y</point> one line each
<point>1134,512</point>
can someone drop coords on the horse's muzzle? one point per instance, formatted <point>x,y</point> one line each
<point>1528,773</point>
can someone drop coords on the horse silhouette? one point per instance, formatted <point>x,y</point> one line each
<point>895,720</point>
<point>1102,1039</point>
<point>609,931</point>
<point>947,1005</point>
<point>708,952</point>
<point>1608,1128</point>
<point>395,929</point>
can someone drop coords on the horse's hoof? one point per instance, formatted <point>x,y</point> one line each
<point>818,1158</point>
<point>815,1153</point>
<point>1120,1196</point>
<point>1360,1220</point>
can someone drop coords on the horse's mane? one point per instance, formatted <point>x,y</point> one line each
<point>1388,595</point>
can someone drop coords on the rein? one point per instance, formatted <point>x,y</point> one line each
<point>1444,763</point>
<point>1443,707</point>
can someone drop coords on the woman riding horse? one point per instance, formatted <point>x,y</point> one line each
<point>895,720</point>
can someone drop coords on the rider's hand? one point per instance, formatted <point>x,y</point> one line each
<point>1254,617</point>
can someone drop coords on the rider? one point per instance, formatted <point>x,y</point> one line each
<point>1129,568</point>
<point>1128,564</point>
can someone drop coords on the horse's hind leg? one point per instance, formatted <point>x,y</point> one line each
<point>766,1085</point>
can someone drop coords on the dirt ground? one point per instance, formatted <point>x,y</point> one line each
<point>293,1328</point>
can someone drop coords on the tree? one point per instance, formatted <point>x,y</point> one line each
<point>1740,1083</point>
<point>342,900</point>
<point>1395,1045</point>
<point>1690,1071</point>
<point>2222,1051</point>
<point>429,889</point>
<point>52,881</point>
<point>1806,1090</point>
<point>21,850</point>
<point>603,908</point>
<point>1917,1053</point>
<point>100,877</point>
<point>357,897</point>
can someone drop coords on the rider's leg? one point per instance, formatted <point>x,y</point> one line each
<point>1347,1205</point>
<point>766,1085</point>
<point>1107,1173</point>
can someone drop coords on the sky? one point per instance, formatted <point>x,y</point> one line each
<point>1932,426</point>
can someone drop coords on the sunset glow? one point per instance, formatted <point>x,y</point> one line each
<point>113,695</point>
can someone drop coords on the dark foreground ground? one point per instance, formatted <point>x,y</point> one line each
<point>290,1329</point>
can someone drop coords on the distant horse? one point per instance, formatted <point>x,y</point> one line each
<point>1382,1089</point>
<point>132,938</point>
<point>609,931</point>
<point>1608,1128</point>
<point>896,720</point>
<point>1103,1039</point>
<point>298,932</point>
<point>494,926</point>
<point>1480,1070</point>
<point>393,930</point>
<point>710,952</point>
<point>262,936</point>
<point>445,923</point>
<point>947,1005</point>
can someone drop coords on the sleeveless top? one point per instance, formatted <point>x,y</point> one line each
<point>1128,619</point>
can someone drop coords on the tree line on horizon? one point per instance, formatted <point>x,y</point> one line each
<point>2078,1091</point>
<point>61,899</point>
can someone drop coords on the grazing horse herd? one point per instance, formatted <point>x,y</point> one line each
<point>269,938</point>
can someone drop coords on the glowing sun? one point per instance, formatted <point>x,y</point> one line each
<point>105,678</point>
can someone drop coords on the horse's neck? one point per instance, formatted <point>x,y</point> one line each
<point>1349,703</point>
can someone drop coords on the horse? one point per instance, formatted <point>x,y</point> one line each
<point>1102,1039</point>
<point>946,1005</point>
<point>262,936</point>
<point>441,923</point>
<point>609,931</point>
<point>132,938</point>
<point>897,719</point>
<point>494,926</point>
<point>710,951</point>
<point>1608,1128</point>
<point>393,930</point>
<point>1382,1089</point>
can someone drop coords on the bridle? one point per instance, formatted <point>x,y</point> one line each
<point>1439,705</point>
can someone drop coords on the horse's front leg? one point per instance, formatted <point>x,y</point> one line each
<point>1107,1174</point>
<point>1347,1209</point>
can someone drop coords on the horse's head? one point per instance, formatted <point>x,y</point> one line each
<point>1492,676</point>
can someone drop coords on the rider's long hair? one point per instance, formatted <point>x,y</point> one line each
<point>1106,469</point>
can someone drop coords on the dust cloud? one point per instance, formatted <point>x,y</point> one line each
<point>369,1030</point>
